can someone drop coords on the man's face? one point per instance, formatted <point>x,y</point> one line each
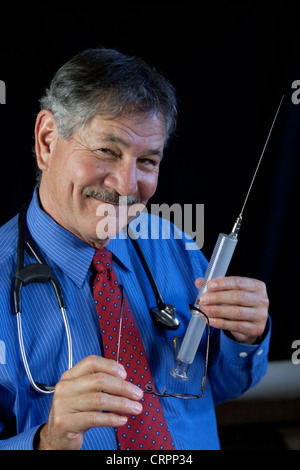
<point>106,159</point>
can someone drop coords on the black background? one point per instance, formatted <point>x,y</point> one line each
<point>230,62</point>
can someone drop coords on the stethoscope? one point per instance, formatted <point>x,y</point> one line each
<point>163,315</point>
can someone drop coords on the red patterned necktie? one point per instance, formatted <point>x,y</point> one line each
<point>148,430</point>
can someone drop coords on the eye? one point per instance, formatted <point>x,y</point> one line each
<point>107,151</point>
<point>149,162</point>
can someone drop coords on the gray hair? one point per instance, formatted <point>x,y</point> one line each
<point>105,81</point>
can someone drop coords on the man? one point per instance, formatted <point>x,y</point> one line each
<point>100,136</point>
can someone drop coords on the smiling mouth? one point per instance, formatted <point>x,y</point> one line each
<point>107,197</point>
<point>103,201</point>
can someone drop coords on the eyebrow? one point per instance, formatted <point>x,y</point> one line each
<point>112,138</point>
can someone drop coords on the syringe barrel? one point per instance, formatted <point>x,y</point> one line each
<point>192,338</point>
<point>219,262</point>
<point>217,267</point>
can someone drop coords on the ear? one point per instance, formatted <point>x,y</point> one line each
<point>45,138</point>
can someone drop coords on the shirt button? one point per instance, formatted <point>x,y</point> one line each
<point>260,352</point>
<point>243,354</point>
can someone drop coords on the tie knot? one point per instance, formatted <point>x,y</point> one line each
<point>102,260</point>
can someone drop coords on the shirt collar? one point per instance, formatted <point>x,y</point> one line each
<point>71,254</point>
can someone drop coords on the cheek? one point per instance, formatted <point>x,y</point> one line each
<point>147,186</point>
<point>81,174</point>
<point>85,171</point>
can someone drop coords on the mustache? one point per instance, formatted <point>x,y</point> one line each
<point>111,197</point>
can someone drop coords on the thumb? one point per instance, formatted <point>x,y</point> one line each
<point>198,282</point>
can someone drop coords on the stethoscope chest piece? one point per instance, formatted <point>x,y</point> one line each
<point>165,317</point>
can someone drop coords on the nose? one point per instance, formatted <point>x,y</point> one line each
<point>123,178</point>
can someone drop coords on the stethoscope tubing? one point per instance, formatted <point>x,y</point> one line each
<point>164,315</point>
<point>26,275</point>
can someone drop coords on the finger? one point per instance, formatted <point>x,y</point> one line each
<point>235,313</point>
<point>98,382</point>
<point>101,401</point>
<point>66,431</point>
<point>231,297</point>
<point>245,330</point>
<point>82,422</point>
<point>199,282</point>
<point>94,364</point>
<point>238,320</point>
<point>236,283</point>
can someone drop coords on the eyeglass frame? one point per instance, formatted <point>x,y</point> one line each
<point>149,388</point>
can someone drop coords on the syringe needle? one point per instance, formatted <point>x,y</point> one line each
<point>237,225</point>
<point>261,156</point>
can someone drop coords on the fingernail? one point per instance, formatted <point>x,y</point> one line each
<point>122,372</point>
<point>137,407</point>
<point>212,285</point>
<point>137,393</point>
<point>204,298</point>
<point>121,420</point>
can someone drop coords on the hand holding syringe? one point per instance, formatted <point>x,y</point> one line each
<point>217,267</point>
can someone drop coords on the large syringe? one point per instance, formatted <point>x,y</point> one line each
<point>217,267</point>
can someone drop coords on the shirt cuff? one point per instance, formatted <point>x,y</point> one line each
<point>22,441</point>
<point>239,352</point>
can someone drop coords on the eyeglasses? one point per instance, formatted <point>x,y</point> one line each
<point>164,394</point>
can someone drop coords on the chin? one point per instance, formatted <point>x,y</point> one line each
<point>108,227</point>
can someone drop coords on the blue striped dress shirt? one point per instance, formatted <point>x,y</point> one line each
<point>233,367</point>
